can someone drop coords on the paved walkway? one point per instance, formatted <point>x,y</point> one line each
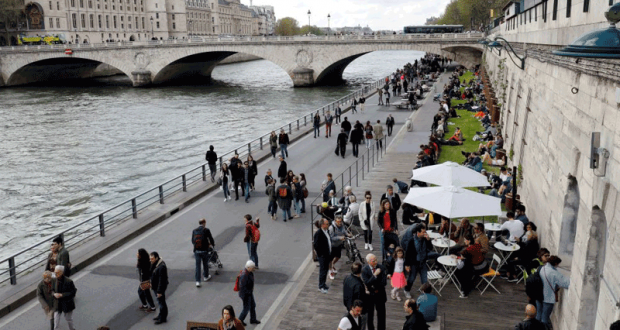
<point>107,288</point>
<point>307,308</point>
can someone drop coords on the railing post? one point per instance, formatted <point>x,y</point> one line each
<point>350,182</point>
<point>12,273</point>
<point>298,124</point>
<point>342,182</point>
<point>261,143</point>
<point>250,148</point>
<point>362,167</point>
<point>134,209</point>
<point>220,163</point>
<point>305,121</point>
<point>204,172</point>
<point>357,175</point>
<point>161,194</point>
<point>290,128</point>
<point>101,226</point>
<point>184,182</point>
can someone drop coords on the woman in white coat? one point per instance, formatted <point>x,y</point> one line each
<point>367,217</point>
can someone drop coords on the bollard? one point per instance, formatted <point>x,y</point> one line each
<point>249,148</point>
<point>305,121</point>
<point>161,194</point>
<point>204,172</point>
<point>184,182</point>
<point>261,143</point>
<point>101,226</point>
<point>357,175</point>
<point>134,209</point>
<point>298,124</point>
<point>290,128</point>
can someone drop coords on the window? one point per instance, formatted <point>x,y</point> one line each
<point>83,19</point>
<point>58,23</point>
<point>92,21</point>
<point>99,20</point>
<point>586,6</point>
<point>51,8</point>
<point>173,17</point>
<point>122,18</point>
<point>120,7</point>
<point>536,14</point>
<point>174,26</point>
<point>72,3</point>
<point>172,7</point>
<point>611,2</point>
<point>555,10</point>
<point>51,23</point>
<point>155,5</point>
<point>74,20</point>
<point>530,16</point>
<point>58,5</point>
<point>114,20</point>
<point>107,21</point>
<point>157,15</point>
<point>81,3</point>
<point>158,25</point>
<point>142,23</point>
<point>568,5</point>
<point>90,3</point>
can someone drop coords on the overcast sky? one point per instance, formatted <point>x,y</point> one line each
<point>377,14</point>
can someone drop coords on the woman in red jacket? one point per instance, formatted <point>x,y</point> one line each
<point>474,265</point>
<point>229,321</point>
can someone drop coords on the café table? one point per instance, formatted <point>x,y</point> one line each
<point>449,264</point>
<point>442,245</point>
<point>506,251</point>
<point>493,227</point>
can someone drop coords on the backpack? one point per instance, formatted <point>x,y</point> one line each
<point>282,192</point>
<point>305,191</point>
<point>255,236</point>
<point>236,287</point>
<point>197,238</point>
<point>534,286</point>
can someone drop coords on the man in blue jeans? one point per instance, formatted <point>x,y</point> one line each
<point>202,240</point>
<point>284,195</point>
<point>252,236</point>
<point>418,250</point>
<point>283,141</point>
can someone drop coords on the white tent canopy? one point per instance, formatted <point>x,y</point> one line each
<point>454,202</point>
<point>450,174</point>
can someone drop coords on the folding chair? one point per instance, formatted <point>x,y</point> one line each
<point>434,278</point>
<point>522,275</point>
<point>492,274</point>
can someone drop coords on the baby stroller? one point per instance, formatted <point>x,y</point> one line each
<point>389,254</point>
<point>214,261</point>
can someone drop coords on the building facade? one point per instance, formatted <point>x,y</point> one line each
<point>96,21</point>
<point>266,21</point>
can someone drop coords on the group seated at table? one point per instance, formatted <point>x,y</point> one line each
<point>473,264</point>
<point>529,246</point>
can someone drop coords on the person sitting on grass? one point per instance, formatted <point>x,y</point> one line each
<point>457,136</point>
<point>487,159</point>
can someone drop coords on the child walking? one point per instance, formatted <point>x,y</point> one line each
<point>396,271</point>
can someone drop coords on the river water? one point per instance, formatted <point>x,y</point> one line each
<point>71,151</point>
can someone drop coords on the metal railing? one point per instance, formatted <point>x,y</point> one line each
<point>248,39</point>
<point>32,256</point>
<point>362,165</point>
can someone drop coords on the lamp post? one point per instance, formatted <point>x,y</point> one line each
<point>190,29</point>
<point>309,20</point>
<point>152,33</point>
<point>328,28</point>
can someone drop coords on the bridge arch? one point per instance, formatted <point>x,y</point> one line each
<point>53,67</point>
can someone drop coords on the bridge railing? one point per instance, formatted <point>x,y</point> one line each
<point>251,39</point>
<point>24,261</point>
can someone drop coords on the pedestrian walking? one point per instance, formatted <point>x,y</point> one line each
<point>341,140</point>
<point>159,284</point>
<point>246,293</point>
<point>389,122</point>
<point>323,247</point>
<point>416,254</point>
<point>337,234</point>
<point>362,103</point>
<point>239,180</point>
<point>346,126</point>
<point>268,176</point>
<point>211,158</point>
<point>353,289</point>
<point>254,169</point>
<point>228,320</point>
<point>366,215</point>
<point>298,196</point>
<point>354,106</point>
<point>374,276</point>
<point>45,295</point>
<point>58,256</point>
<point>143,266</point>
<point>356,138</point>
<point>368,130</point>
<point>203,242</point>
<point>316,123</point>
<point>337,113</point>
<point>329,119</point>
<point>283,141</point>
<point>252,236</point>
<point>327,186</point>
<point>248,176</point>
<point>284,197</point>
<point>304,189</point>
<point>378,130</point>
<point>282,170</point>
<point>224,175</point>
<point>380,92</point>
<point>387,97</point>
<point>64,292</point>
<point>273,143</point>
<point>396,272</point>
<point>272,208</point>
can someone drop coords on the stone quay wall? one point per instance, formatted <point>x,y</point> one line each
<point>548,113</point>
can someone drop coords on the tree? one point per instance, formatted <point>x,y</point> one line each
<point>286,26</point>
<point>469,12</point>
<point>10,14</point>
<point>311,29</point>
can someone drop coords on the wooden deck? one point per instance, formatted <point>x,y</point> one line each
<point>314,310</point>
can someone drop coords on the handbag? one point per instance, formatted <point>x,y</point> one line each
<point>146,285</point>
<point>337,151</point>
<point>305,191</point>
<point>219,181</point>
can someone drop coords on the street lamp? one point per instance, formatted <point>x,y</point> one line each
<point>152,33</point>
<point>328,29</point>
<point>309,19</point>
<point>190,28</point>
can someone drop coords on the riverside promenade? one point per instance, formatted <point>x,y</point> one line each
<point>306,308</point>
<point>107,288</point>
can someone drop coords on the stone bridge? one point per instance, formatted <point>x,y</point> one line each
<point>308,60</point>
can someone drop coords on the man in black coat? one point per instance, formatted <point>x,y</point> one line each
<point>353,289</point>
<point>283,141</point>
<point>374,276</point>
<point>246,293</point>
<point>346,126</point>
<point>211,158</point>
<point>323,247</point>
<point>415,319</point>
<point>282,170</point>
<point>357,137</point>
<point>392,197</point>
<point>159,284</point>
<point>342,142</point>
<point>238,178</point>
<point>530,322</point>
<point>390,124</point>
<point>64,292</point>
<point>417,253</point>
